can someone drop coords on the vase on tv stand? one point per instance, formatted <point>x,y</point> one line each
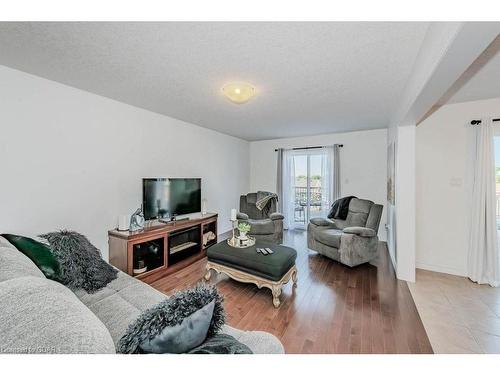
<point>137,220</point>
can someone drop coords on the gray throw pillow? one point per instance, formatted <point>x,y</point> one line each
<point>155,327</point>
<point>80,262</point>
<point>184,336</point>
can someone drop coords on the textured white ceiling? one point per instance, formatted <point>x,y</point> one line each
<point>311,78</point>
<point>485,82</point>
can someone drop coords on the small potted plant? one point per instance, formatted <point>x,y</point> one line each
<point>243,228</point>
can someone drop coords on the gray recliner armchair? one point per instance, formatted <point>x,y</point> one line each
<point>352,241</point>
<point>266,224</point>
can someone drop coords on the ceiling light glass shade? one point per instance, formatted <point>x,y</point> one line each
<point>238,92</point>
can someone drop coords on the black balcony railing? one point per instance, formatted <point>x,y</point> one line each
<point>301,199</point>
<point>301,195</point>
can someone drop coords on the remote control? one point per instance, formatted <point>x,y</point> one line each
<point>269,250</point>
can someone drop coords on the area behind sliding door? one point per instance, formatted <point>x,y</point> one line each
<point>307,185</point>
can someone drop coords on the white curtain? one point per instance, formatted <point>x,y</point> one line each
<point>336,192</point>
<point>279,179</point>
<point>327,179</point>
<point>288,189</point>
<point>483,260</point>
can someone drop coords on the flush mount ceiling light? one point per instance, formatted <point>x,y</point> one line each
<point>238,92</point>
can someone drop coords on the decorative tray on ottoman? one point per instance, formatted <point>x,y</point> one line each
<point>241,243</point>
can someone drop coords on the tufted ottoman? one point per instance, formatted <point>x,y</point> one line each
<point>248,266</point>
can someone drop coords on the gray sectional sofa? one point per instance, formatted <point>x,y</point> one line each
<point>38,315</point>
<point>353,241</point>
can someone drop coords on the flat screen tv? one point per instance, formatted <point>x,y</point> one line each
<point>164,197</point>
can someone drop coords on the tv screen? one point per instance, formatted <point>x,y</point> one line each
<point>164,197</point>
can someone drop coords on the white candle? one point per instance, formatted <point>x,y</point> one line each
<point>123,222</point>
<point>233,214</point>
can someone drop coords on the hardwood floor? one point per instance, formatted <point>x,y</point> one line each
<point>333,308</point>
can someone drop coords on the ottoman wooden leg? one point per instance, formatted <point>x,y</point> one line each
<point>294,276</point>
<point>276,289</point>
<point>208,274</point>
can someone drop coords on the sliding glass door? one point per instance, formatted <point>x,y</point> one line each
<point>307,185</point>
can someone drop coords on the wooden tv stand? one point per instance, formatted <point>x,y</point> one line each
<point>161,248</point>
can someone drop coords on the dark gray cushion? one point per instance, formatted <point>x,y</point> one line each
<point>356,219</point>
<point>241,216</point>
<point>360,231</point>
<point>358,212</point>
<point>188,334</point>
<point>374,217</point>
<point>360,205</point>
<point>276,216</point>
<point>272,267</point>
<point>247,206</point>
<point>265,226</point>
<point>329,237</point>
<point>321,221</point>
<point>251,198</point>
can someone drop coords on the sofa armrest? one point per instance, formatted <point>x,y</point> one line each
<point>360,231</point>
<point>355,249</point>
<point>322,222</point>
<point>276,216</point>
<point>241,216</point>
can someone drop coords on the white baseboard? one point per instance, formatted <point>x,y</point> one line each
<point>441,269</point>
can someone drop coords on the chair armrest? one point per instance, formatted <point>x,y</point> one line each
<point>276,216</point>
<point>241,216</point>
<point>322,222</point>
<point>360,231</point>
<point>358,245</point>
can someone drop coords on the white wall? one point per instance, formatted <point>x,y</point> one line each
<point>363,163</point>
<point>72,159</point>
<point>443,184</point>
<point>401,230</point>
<point>391,233</point>
<point>405,203</point>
